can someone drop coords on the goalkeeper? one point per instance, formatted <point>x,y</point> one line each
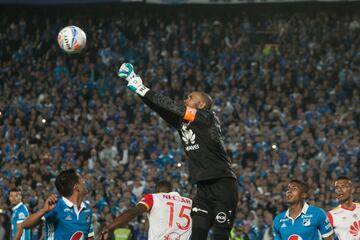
<point>216,198</point>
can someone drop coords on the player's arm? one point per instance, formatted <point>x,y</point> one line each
<point>174,113</point>
<point>19,231</point>
<point>123,219</point>
<point>331,219</point>
<point>91,233</point>
<point>91,229</point>
<point>35,219</point>
<point>324,226</point>
<point>275,228</point>
<point>164,106</point>
<point>167,108</point>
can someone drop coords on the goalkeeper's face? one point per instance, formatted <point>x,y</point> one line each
<point>195,100</point>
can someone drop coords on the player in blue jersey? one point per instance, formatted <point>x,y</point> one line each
<point>18,215</point>
<point>66,217</point>
<point>301,221</point>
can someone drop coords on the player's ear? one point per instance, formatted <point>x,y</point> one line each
<point>76,188</point>
<point>353,189</point>
<point>202,105</point>
<point>304,195</point>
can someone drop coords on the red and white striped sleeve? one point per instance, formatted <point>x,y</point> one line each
<point>148,201</point>
<point>331,219</point>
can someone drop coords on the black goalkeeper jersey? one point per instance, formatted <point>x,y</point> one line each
<point>201,138</point>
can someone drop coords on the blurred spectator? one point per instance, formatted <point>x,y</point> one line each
<point>2,225</point>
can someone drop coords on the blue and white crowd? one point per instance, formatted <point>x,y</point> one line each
<point>285,87</point>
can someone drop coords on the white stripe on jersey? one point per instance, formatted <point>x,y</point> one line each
<point>50,232</point>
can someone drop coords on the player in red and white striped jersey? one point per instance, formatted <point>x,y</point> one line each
<point>345,218</point>
<point>168,213</point>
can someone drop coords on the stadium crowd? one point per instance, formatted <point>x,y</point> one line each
<point>285,87</point>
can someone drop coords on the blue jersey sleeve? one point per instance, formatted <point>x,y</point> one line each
<point>91,231</point>
<point>276,231</point>
<point>91,228</point>
<point>21,215</point>
<point>324,225</point>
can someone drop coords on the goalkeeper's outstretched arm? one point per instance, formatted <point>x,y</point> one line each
<point>167,108</point>
<point>171,112</point>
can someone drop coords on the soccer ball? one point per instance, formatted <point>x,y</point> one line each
<point>72,39</point>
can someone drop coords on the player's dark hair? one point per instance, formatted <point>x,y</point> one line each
<point>14,189</point>
<point>208,100</point>
<point>163,186</point>
<point>343,178</point>
<point>66,181</point>
<point>304,187</point>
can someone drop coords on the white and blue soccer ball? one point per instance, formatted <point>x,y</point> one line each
<point>72,39</point>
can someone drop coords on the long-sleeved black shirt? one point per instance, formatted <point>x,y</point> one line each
<point>201,138</point>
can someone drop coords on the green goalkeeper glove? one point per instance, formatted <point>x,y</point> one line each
<point>135,83</point>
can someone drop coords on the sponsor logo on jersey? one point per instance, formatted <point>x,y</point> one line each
<point>77,236</point>
<point>193,147</point>
<point>68,218</point>
<point>188,136</point>
<point>220,217</point>
<point>295,237</point>
<point>283,225</point>
<point>196,209</point>
<point>355,228</point>
<point>67,210</point>
<point>284,219</point>
<point>172,236</point>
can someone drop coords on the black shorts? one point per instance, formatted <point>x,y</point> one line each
<point>216,200</point>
